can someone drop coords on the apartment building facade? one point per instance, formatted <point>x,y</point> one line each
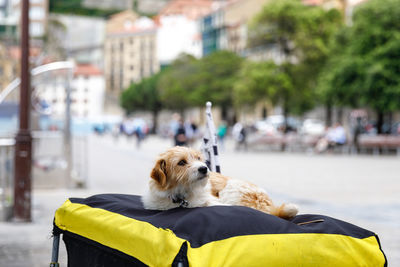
<point>87,93</point>
<point>226,27</point>
<point>179,31</point>
<point>130,51</point>
<point>38,16</point>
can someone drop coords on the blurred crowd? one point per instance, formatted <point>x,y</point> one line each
<point>274,130</point>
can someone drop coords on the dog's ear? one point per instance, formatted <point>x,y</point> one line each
<point>159,173</point>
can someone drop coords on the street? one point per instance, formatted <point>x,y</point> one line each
<point>363,190</point>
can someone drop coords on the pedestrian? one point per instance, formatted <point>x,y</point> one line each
<point>140,130</point>
<point>239,133</point>
<point>221,132</point>
<point>358,130</point>
<point>180,137</point>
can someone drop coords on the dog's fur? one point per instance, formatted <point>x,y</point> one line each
<point>180,177</point>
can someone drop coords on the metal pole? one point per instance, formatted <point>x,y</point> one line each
<point>67,129</point>
<point>54,253</point>
<point>23,145</point>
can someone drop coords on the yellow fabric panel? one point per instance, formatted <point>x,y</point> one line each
<point>158,247</point>
<point>151,245</point>
<point>289,250</point>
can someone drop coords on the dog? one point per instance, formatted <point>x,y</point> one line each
<point>180,178</point>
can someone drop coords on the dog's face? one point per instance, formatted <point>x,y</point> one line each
<point>180,166</point>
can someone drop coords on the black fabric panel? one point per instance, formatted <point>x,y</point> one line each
<point>83,252</point>
<point>203,225</point>
<point>181,259</point>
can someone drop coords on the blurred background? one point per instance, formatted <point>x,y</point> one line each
<point>305,93</point>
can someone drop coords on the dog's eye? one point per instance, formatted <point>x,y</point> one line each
<point>182,162</point>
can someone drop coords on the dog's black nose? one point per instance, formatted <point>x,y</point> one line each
<point>203,169</point>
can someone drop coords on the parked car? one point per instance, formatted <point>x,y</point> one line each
<point>272,124</point>
<point>313,127</point>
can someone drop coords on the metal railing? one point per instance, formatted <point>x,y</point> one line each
<point>50,162</point>
<point>6,177</point>
<point>49,170</point>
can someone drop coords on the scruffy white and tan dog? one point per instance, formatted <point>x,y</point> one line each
<point>180,178</point>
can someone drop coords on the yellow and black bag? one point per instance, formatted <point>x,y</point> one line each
<point>115,230</point>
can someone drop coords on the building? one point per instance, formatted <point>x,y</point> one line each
<point>108,4</point>
<point>87,93</point>
<point>213,32</point>
<point>8,20</point>
<point>38,16</point>
<point>130,51</point>
<point>226,27</point>
<point>82,38</point>
<point>179,31</point>
<point>10,11</point>
<point>10,67</point>
<point>88,90</point>
<point>150,6</point>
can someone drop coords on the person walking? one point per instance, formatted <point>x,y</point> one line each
<point>180,137</point>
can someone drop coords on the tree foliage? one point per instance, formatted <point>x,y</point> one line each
<point>261,81</point>
<point>75,7</point>
<point>217,75</point>
<point>363,69</point>
<point>142,96</point>
<point>302,35</point>
<point>178,82</point>
<point>193,82</point>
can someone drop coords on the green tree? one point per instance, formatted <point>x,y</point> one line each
<point>177,83</point>
<point>217,74</point>
<point>191,82</point>
<point>75,7</point>
<point>263,81</point>
<point>364,68</point>
<point>301,34</point>
<point>143,96</point>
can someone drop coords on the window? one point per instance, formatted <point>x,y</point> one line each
<point>36,13</point>
<point>36,29</point>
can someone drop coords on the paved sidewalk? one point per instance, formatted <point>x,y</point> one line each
<point>363,190</point>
